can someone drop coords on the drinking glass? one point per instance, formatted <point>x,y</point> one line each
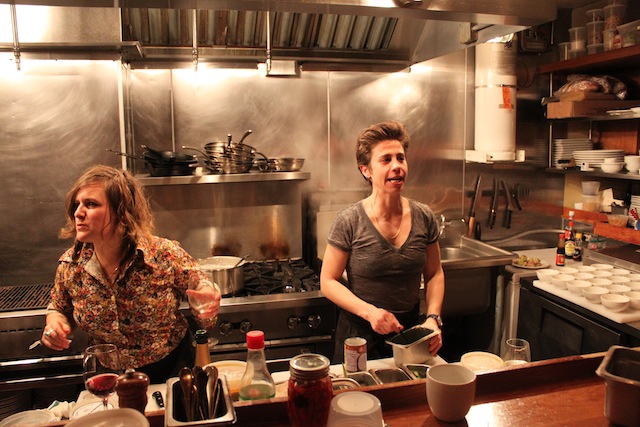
<point>101,368</point>
<point>516,352</point>
<point>201,303</point>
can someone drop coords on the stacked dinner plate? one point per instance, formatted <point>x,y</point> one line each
<point>563,150</point>
<point>595,157</point>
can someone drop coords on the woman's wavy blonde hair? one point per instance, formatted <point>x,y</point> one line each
<point>127,202</point>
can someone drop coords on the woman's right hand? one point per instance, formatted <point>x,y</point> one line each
<point>56,332</point>
<point>383,322</point>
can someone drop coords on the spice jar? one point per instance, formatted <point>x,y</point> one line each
<point>132,390</point>
<point>310,390</point>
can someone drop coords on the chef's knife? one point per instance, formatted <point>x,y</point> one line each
<point>472,209</point>
<point>508,210</point>
<point>494,203</point>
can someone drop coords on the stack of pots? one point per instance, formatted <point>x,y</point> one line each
<point>230,157</point>
<point>168,163</point>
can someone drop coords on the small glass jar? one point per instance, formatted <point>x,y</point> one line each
<point>310,390</point>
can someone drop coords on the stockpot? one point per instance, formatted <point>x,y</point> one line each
<point>221,271</point>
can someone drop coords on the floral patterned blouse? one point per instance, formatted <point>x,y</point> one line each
<point>139,312</point>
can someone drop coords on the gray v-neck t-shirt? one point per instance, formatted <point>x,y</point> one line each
<point>378,272</point>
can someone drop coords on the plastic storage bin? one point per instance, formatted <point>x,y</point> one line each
<point>595,15</point>
<point>578,38</point>
<point>595,48</point>
<point>614,15</point>
<point>629,33</point>
<point>609,38</point>
<point>563,50</point>
<point>594,32</point>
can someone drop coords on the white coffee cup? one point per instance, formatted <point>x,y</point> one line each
<point>451,390</point>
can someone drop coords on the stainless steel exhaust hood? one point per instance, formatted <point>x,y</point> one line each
<point>318,34</point>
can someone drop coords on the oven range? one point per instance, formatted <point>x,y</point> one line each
<point>289,308</point>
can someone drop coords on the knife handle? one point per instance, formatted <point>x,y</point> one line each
<point>507,219</point>
<point>472,226</point>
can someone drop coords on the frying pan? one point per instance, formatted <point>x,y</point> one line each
<point>157,167</point>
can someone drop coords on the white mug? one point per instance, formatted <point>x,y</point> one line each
<point>451,390</point>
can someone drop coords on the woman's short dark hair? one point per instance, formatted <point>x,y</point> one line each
<point>372,135</point>
<point>129,206</point>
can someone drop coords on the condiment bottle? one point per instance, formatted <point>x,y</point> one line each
<point>569,237</point>
<point>131,388</point>
<point>309,391</point>
<point>577,254</point>
<point>256,382</point>
<point>203,357</point>
<point>560,251</point>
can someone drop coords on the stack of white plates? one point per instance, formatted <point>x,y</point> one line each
<point>563,149</point>
<point>595,157</point>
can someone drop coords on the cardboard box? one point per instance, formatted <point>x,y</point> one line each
<point>568,109</point>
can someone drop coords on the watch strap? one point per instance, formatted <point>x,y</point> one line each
<point>437,318</point>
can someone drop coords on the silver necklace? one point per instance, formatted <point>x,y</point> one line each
<point>373,211</point>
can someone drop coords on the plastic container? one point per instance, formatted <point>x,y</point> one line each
<point>629,33</point>
<point>594,32</point>
<point>563,50</point>
<point>608,38</point>
<point>595,48</point>
<point>578,38</point>
<point>614,15</point>
<point>412,346</point>
<point>577,53</point>
<point>591,203</point>
<point>595,15</point>
<point>620,369</point>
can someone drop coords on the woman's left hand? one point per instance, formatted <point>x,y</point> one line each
<point>435,343</point>
<point>205,300</point>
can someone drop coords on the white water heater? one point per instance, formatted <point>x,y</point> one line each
<point>495,107</point>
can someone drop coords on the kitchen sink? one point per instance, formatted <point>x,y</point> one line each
<point>471,253</point>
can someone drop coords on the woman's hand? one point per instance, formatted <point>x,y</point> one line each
<point>205,300</point>
<point>383,322</point>
<point>435,342</point>
<point>56,332</point>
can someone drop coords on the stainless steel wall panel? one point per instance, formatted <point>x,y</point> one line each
<point>56,120</point>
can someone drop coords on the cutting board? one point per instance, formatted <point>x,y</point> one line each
<point>585,96</point>
<point>628,316</point>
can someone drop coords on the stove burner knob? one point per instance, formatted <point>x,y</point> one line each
<point>314,321</point>
<point>245,326</point>
<point>225,328</point>
<point>293,322</point>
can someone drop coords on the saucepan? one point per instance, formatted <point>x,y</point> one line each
<point>225,271</point>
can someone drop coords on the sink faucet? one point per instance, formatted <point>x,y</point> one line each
<point>443,226</point>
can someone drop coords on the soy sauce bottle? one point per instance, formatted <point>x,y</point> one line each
<point>256,382</point>
<point>560,255</point>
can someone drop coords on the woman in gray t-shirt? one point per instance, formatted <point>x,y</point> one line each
<point>386,243</point>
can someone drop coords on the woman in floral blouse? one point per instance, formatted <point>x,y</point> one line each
<point>121,284</point>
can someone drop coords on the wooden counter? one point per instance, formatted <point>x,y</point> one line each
<point>557,392</point>
<point>562,391</point>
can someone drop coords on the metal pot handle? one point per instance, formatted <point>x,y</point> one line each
<point>263,164</point>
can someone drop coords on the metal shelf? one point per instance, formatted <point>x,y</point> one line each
<point>597,173</point>
<point>149,181</point>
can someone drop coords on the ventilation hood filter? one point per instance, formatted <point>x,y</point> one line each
<point>338,34</point>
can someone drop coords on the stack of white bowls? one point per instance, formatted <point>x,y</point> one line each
<point>632,163</point>
<point>617,289</point>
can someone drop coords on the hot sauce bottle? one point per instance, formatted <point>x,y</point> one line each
<point>309,390</point>
<point>560,251</point>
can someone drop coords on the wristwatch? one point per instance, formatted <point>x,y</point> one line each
<point>437,318</point>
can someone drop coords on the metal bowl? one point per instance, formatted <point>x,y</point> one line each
<point>285,164</point>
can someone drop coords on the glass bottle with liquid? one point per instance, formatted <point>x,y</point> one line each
<point>203,356</point>
<point>309,391</point>
<point>256,382</point>
<point>577,254</point>
<point>560,251</point>
<point>569,237</point>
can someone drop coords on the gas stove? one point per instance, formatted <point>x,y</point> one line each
<point>283,299</point>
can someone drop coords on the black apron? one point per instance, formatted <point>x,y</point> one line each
<point>349,325</point>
